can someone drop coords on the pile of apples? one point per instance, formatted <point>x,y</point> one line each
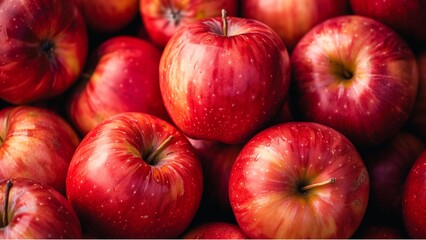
<point>212,119</point>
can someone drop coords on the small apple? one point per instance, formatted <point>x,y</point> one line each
<point>223,79</point>
<point>299,180</point>
<point>163,18</point>
<point>414,199</point>
<point>31,210</point>
<point>408,19</point>
<point>107,16</point>
<point>124,79</point>
<point>43,48</point>
<point>355,75</point>
<point>292,19</point>
<point>36,143</point>
<point>215,230</point>
<point>135,176</point>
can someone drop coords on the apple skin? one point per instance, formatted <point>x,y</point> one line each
<point>207,79</point>
<point>124,79</point>
<point>296,17</point>
<point>37,211</point>
<point>43,45</point>
<point>163,18</point>
<point>388,166</point>
<point>107,16</point>
<point>414,199</point>
<point>417,120</point>
<point>267,177</point>
<point>115,191</point>
<point>410,20</point>
<point>355,75</point>
<point>36,143</point>
<point>215,230</point>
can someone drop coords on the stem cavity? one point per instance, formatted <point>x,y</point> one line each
<point>225,23</point>
<point>5,219</point>
<point>151,157</point>
<point>315,185</point>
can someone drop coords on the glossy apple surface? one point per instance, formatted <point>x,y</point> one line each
<point>408,18</point>
<point>291,19</point>
<point>36,143</point>
<point>43,45</point>
<point>163,18</point>
<point>35,211</point>
<point>124,79</point>
<point>224,84</point>
<point>215,230</point>
<point>107,16</point>
<point>129,179</point>
<point>357,76</point>
<point>414,199</point>
<point>299,180</point>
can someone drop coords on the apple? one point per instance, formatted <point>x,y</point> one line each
<point>124,79</point>
<point>32,210</point>
<point>408,19</point>
<point>299,180</point>
<point>355,75</point>
<point>36,143</point>
<point>108,16</point>
<point>163,18</point>
<point>388,166</point>
<point>135,176</point>
<point>414,199</point>
<point>215,230</point>
<point>292,19</point>
<point>223,79</point>
<point>43,45</point>
<point>417,119</point>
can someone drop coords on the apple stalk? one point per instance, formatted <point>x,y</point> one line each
<point>151,157</point>
<point>9,185</point>
<point>320,184</point>
<point>225,23</point>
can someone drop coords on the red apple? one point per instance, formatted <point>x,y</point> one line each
<point>36,143</point>
<point>43,45</point>
<point>162,18</point>
<point>292,19</point>
<point>417,119</point>
<point>355,75</point>
<point>135,176</point>
<point>408,18</point>
<point>215,230</point>
<point>414,199</point>
<point>31,210</point>
<point>388,166</point>
<point>107,16</point>
<point>299,180</point>
<point>224,81</point>
<point>124,79</point>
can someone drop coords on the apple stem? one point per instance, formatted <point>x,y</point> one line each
<point>9,185</point>
<point>314,185</point>
<point>225,23</point>
<point>154,154</point>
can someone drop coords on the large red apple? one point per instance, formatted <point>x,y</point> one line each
<point>31,210</point>
<point>124,79</point>
<point>215,230</point>
<point>299,180</point>
<point>223,79</point>
<point>414,199</point>
<point>43,47</point>
<point>388,166</point>
<point>107,16</point>
<point>135,176</point>
<point>408,18</point>
<point>355,75</point>
<point>36,143</point>
<point>291,19</point>
<point>163,18</point>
